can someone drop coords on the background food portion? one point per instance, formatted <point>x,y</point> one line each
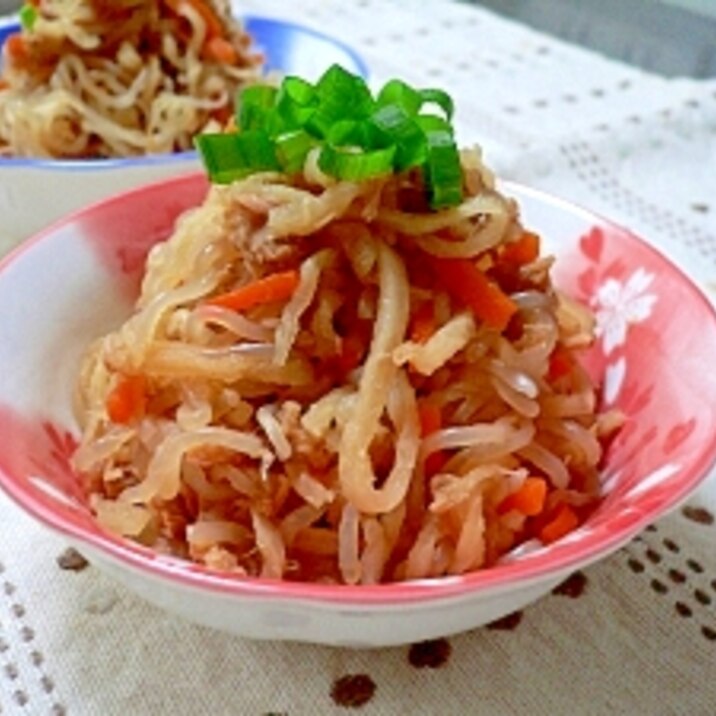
<point>76,182</point>
<point>97,79</point>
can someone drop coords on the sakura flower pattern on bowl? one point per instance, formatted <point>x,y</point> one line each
<point>654,358</point>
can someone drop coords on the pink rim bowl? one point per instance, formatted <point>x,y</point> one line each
<point>77,279</point>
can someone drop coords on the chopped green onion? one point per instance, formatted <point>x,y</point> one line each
<point>359,137</point>
<point>232,156</point>
<point>28,17</point>
<point>341,95</point>
<point>339,87</point>
<point>440,98</point>
<point>393,124</point>
<point>299,91</point>
<point>444,175</point>
<point>254,105</point>
<point>295,103</point>
<point>350,133</point>
<point>351,165</point>
<point>412,100</point>
<point>292,148</point>
<point>430,123</point>
<point>397,92</point>
<point>443,171</point>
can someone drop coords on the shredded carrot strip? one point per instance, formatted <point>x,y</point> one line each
<point>523,251</point>
<point>423,323</point>
<point>352,348</point>
<point>223,115</point>
<point>16,47</point>
<point>221,50</point>
<point>270,289</point>
<point>563,523</point>
<point>560,364</point>
<point>213,25</point>
<point>127,400</point>
<point>470,286</point>
<point>529,499</point>
<point>430,417</point>
<point>352,352</point>
<point>431,420</point>
<point>282,492</point>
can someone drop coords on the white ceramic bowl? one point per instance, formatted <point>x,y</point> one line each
<point>77,279</point>
<point>35,192</point>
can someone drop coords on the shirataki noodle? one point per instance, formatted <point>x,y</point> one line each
<point>97,79</point>
<point>302,394</point>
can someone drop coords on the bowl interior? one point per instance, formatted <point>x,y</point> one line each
<point>657,343</point>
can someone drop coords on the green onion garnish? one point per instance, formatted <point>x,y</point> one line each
<point>28,16</point>
<point>394,125</point>
<point>359,136</point>
<point>295,103</point>
<point>356,165</point>
<point>255,106</point>
<point>442,167</point>
<point>292,148</point>
<point>229,157</point>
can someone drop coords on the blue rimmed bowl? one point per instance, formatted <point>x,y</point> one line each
<point>35,192</point>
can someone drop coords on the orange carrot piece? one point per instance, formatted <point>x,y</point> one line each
<point>352,348</point>
<point>430,417</point>
<point>221,50</point>
<point>529,499</point>
<point>563,523</point>
<point>280,494</point>
<point>223,114</point>
<point>431,420</point>
<point>560,364</point>
<point>214,27</point>
<point>470,286</point>
<point>270,289</point>
<point>4,84</point>
<point>16,47</point>
<point>423,323</point>
<point>435,463</point>
<point>523,251</point>
<point>127,400</point>
<point>352,352</point>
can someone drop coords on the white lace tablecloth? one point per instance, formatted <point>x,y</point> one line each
<point>635,634</point>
